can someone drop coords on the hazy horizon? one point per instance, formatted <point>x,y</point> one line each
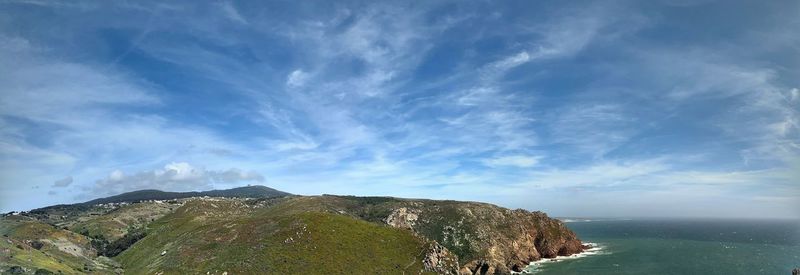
<point>578,109</point>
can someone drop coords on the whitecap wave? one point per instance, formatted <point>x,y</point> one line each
<point>595,249</point>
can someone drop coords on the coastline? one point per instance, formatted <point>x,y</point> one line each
<point>594,249</point>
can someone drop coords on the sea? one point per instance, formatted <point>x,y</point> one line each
<point>680,246</point>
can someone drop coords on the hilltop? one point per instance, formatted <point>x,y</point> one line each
<point>262,230</point>
<point>254,191</point>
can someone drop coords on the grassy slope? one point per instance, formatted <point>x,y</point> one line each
<point>75,252</point>
<point>115,224</point>
<point>376,209</point>
<point>465,228</point>
<point>289,238</point>
<point>66,215</point>
<point>319,234</point>
<point>33,259</point>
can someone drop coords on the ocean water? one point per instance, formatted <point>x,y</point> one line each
<point>681,247</point>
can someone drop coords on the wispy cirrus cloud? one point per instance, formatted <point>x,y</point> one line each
<point>515,160</point>
<point>466,100</point>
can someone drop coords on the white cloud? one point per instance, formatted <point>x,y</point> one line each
<point>597,175</point>
<point>285,146</point>
<point>518,161</point>
<point>488,130</point>
<point>81,106</point>
<point>297,78</point>
<point>505,64</point>
<point>754,109</point>
<point>63,182</point>
<point>116,175</point>
<point>356,120</point>
<point>593,129</point>
<point>479,96</point>
<point>573,30</point>
<point>176,176</point>
<point>695,76</point>
<point>232,13</point>
<point>51,90</point>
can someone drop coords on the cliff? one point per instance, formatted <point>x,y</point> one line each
<point>486,239</point>
<point>299,234</point>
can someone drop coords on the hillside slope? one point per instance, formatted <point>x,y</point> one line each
<point>447,236</point>
<point>32,246</point>
<point>74,215</point>
<point>281,235</point>
<point>255,191</point>
<point>484,237</point>
<point>114,224</point>
<point>218,236</point>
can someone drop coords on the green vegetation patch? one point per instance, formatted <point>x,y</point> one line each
<point>277,240</point>
<point>327,243</point>
<point>116,223</point>
<point>38,247</point>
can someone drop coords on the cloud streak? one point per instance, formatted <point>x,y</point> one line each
<point>458,100</point>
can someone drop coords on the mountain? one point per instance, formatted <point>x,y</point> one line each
<point>254,191</point>
<point>229,232</point>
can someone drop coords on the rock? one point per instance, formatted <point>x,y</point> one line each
<point>796,271</point>
<point>485,267</point>
<point>484,238</point>
<point>16,270</point>
<point>438,259</point>
<point>37,244</point>
<point>402,218</point>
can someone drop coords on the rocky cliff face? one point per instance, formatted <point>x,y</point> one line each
<point>438,259</point>
<point>402,218</point>
<point>305,234</point>
<point>486,239</point>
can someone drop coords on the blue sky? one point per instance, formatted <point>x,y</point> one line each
<point>597,108</point>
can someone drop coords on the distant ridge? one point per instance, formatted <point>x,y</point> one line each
<point>254,191</point>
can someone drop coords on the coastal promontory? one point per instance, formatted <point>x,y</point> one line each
<point>259,230</point>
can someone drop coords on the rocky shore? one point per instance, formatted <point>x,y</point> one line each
<point>487,239</point>
<point>290,234</point>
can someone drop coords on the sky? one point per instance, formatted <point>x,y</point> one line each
<point>595,109</point>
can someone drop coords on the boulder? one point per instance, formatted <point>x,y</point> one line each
<point>402,218</point>
<point>438,259</point>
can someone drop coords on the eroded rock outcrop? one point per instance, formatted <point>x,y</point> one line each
<point>402,218</point>
<point>438,259</point>
<point>486,239</point>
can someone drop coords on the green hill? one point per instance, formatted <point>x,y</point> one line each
<point>255,191</point>
<point>239,231</point>
<point>35,246</point>
<point>216,237</point>
<point>115,224</point>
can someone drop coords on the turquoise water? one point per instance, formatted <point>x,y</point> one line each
<point>683,247</point>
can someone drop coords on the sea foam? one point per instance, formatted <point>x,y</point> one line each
<point>595,249</point>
